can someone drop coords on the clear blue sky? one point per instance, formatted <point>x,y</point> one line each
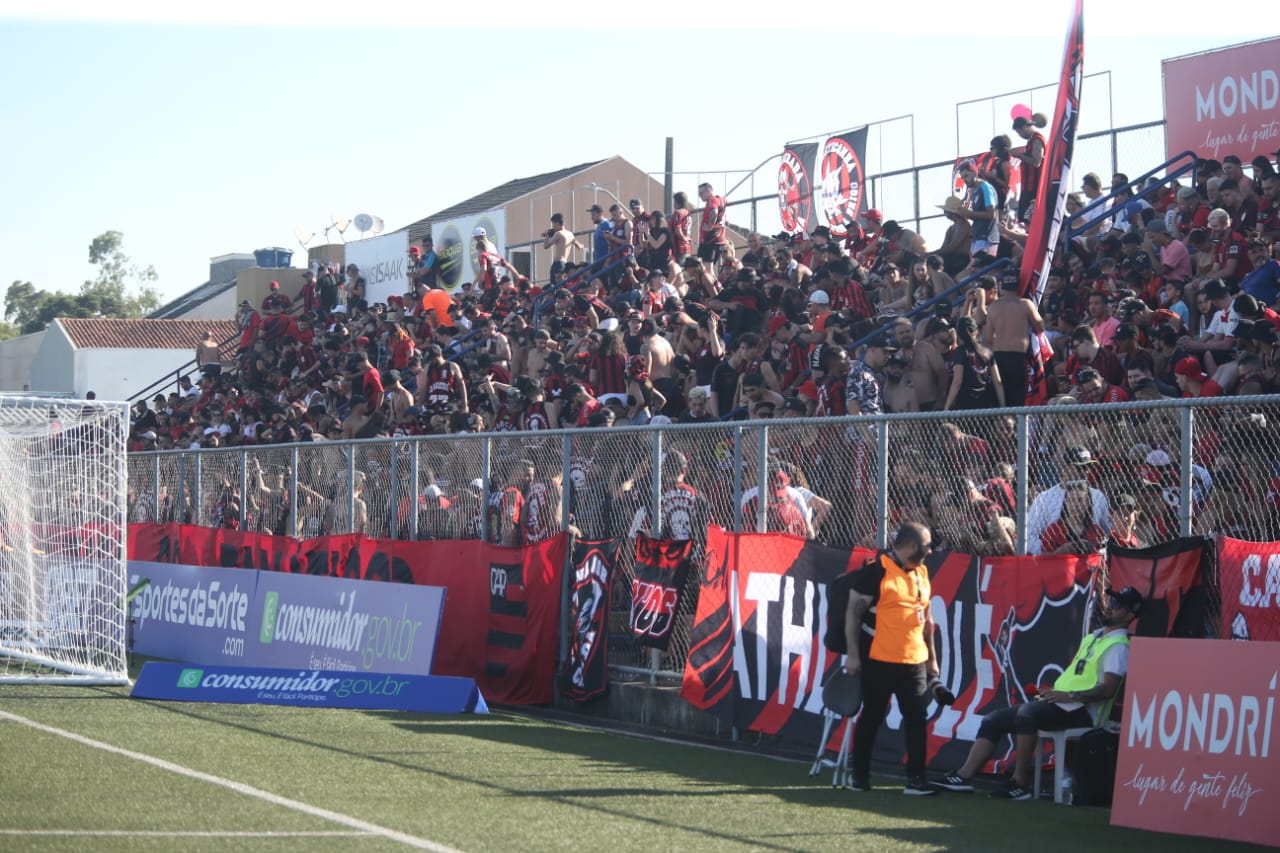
<point>198,132</point>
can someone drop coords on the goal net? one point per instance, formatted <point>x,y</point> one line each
<point>63,488</point>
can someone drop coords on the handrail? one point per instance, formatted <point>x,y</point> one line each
<point>1138,182</point>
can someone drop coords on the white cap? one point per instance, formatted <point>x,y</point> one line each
<point>479,232</point>
<point>432,491</point>
<point>820,297</point>
<point>477,483</point>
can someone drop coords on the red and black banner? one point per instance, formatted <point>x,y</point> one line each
<point>986,162</point>
<point>1249,577</point>
<point>842,180</point>
<point>661,572</point>
<point>757,659</point>
<point>795,186</point>
<point>502,606</point>
<point>1055,173</point>
<point>590,593</point>
<point>1171,578</point>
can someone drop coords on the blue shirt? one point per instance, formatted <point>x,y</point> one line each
<point>1263,284</point>
<point>600,247</point>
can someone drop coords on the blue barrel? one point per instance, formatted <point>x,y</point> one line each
<point>274,258</point>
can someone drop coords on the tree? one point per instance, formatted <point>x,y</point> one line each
<point>111,294</point>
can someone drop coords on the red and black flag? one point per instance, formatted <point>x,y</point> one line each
<point>795,186</point>
<point>586,674</point>
<point>1055,173</point>
<point>661,572</point>
<point>841,182</point>
<point>1171,578</point>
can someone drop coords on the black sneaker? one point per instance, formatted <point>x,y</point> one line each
<point>955,782</point>
<point>856,781</point>
<point>919,786</point>
<point>1014,791</point>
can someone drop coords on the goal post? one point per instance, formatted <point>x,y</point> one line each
<point>63,499</point>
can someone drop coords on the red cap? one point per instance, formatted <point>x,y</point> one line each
<point>809,389</point>
<point>777,323</point>
<point>873,215</point>
<point>275,285</point>
<point>362,341</point>
<point>1189,367</point>
<point>415,251</point>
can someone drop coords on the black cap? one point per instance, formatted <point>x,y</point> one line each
<point>885,342</point>
<point>1129,598</point>
<point>1078,456</point>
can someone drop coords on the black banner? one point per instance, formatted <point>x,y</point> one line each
<point>795,186</point>
<point>841,181</point>
<point>1171,577</point>
<point>588,668</point>
<point>662,569</point>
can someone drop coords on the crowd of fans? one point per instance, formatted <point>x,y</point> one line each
<point>1170,292</point>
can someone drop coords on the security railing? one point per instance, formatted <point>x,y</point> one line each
<point>987,482</point>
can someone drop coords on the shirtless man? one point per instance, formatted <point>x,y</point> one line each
<point>398,397</point>
<point>1011,321</point>
<point>358,418</point>
<point>656,350</point>
<point>929,363</point>
<point>536,359</point>
<point>560,241</point>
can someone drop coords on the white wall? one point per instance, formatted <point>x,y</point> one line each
<point>221,307</point>
<point>16,357</point>
<point>117,374</point>
<point>54,367</point>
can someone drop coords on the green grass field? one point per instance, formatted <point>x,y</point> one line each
<point>319,780</point>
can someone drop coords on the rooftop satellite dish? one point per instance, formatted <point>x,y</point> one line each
<point>304,236</point>
<point>363,222</point>
<point>339,223</point>
<point>378,225</point>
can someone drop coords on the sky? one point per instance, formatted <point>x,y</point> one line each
<point>199,130</point>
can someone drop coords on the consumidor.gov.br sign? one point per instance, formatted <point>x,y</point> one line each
<point>1200,744</point>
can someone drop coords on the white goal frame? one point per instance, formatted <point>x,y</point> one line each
<point>63,538</point>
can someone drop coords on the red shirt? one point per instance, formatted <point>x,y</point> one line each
<point>713,221</point>
<point>1233,247</point>
<point>681,238</point>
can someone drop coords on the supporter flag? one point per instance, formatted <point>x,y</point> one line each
<point>795,186</point>
<point>1171,577</point>
<point>840,179</point>
<point>1249,574</point>
<point>986,162</point>
<point>589,604</point>
<point>1055,174</point>
<point>662,569</point>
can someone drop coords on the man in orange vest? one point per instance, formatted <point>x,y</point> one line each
<point>889,635</point>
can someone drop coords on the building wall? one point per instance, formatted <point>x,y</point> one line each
<point>16,358</point>
<point>221,307</point>
<point>254,284</point>
<point>53,368</point>
<point>118,374</point>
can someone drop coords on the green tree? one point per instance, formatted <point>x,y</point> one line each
<point>121,289</point>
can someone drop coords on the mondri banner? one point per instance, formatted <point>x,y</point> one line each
<point>1200,743</point>
<point>502,612</point>
<point>757,659</point>
<point>1224,101</point>
<point>309,688</point>
<point>384,264</point>
<point>455,245</point>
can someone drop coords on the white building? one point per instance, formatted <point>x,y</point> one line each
<point>116,359</point>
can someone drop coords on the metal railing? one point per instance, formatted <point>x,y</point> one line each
<point>987,482</point>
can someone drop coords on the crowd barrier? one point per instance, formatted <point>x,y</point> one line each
<point>1194,467</point>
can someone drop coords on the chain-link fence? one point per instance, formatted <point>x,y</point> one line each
<point>1060,479</point>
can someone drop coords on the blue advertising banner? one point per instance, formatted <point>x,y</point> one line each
<point>254,618</point>
<point>192,613</point>
<point>310,688</point>
<point>340,624</point>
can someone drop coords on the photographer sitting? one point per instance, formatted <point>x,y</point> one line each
<point>1079,697</point>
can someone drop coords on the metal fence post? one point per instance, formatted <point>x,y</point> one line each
<point>415,477</point>
<point>1185,487</point>
<point>762,481</point>
<point>195,504</point>
<point>155,486</point>
<point>395,489</point>
<point>737,478</point>
<point>485,480</point>
<point>244,490</point>
<point>1022,473</point>
<point>655,469</point>
<point>351,488</point>
<point>293,492</point>
<point>882,483</point>
<point>566,484</point>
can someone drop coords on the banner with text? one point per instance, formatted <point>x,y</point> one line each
<point>502,607</point>
<point>455,245</point>
<point>661,572</point>
<point>757,660</point>
<point>590,593</point>
<point>795,186</point>
<point>383,263</point>
<point>841,180</point>
<point>1224,101</point>
<point>1199,747</point>
<point>1249,577</point>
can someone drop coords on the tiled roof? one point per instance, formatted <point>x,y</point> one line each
<point>143,334</point>
<point>496,197</point>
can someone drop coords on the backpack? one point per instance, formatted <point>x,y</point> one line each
<point>1094,768</point>
<point>837,606</point>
